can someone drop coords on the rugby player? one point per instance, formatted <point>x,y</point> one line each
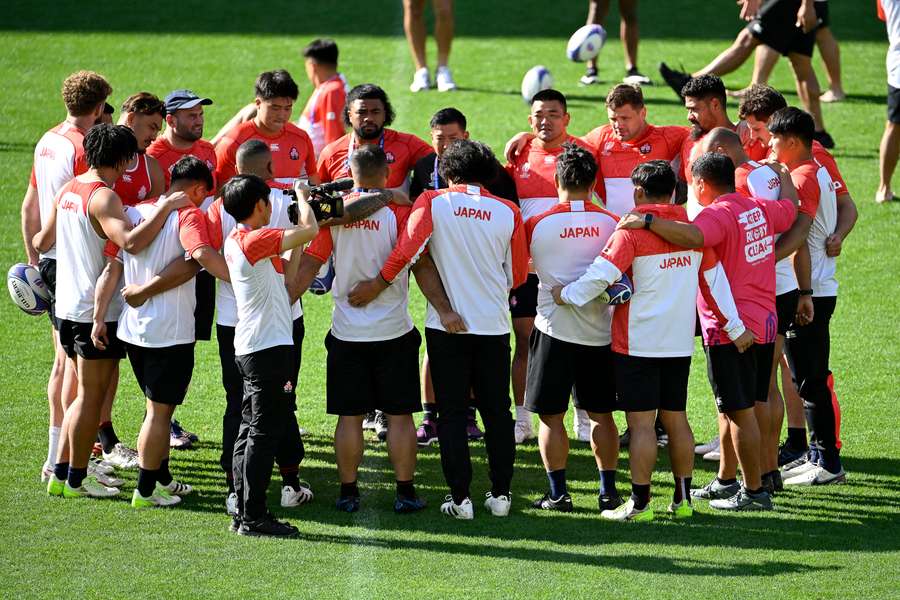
<point>143,113</point>
<point>414,27</point>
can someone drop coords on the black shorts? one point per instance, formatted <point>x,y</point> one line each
<point>651,383</point>
<point>523,299</point>
<point>786,308</point>
<point>47,269</point>
<point>365,376</point>
<point>557,369</point>
<point>75,338</point>
<point>205,289</point>
<point>822,14</point>
<point>739,380</point>
<point>776,27</point>
<point>163,374</point>
<point>893,109</point>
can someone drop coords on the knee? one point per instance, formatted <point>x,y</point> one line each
<point>443,10</point>
<point>414,8</point>
<point>745,41</point>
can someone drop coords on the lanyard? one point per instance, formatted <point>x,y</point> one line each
<point>434,174</point>
<point>352,147</point>
<point>362,190</point>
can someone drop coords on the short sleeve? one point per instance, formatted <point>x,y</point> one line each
<point>261,243</point>
<point>110,250</point>
<point>418,149</point>
<point>619,249</point>
<point>225,160</point>
<point>711,224</point>
<point>808,191</point>
<point>826,160</point>
<point>192,229</point>
<point>310,165</point>
<point>322,245</point>
<point>214,224</point>
<point>324,164</point>
<point>782,214</point>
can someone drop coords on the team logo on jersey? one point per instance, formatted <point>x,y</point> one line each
<point>645,149</point>
<point>294,154</point>
<point>607,148</point>
<point>525,171</point>
<point>126,177</point>
<point>274,147</point>
<point>142,193</point>
<point>390,157</point>
<point>288,387</point>
<point>549,160</point>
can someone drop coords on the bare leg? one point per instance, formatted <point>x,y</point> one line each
<point>764,62</point>
<point>764,422</point>
<point>443,30</point>
<point>793,403</point>
<point>597,13</point>
<point>69,392</point>
<point>522,327</point>
<point>745,435</point>
<point>776,409</point>
<point>109,398</point>
<point>427,386</point>
<point>733,57</point>
<point>348,447</point>
<point>808,87</point>
<point>641,445</point>
<point>401,446</point>
<point>55,382</point>
<point>629,32</point>
<point>153,440</point>
<point>831,56</point>
<point>887,156</point>
<point>553,442</point>
<point>605,440</point>
<point>728,459</point>
<point>83,415</point>
<point>681,442</point>
<point>414,26</point>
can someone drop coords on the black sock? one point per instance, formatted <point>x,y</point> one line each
<point>470,413</point>
<point>459,497</point>
<point>406,489</point>
<point>349,489</point>
<point>797,438</point>
<point>146,481</point>
<point>557,480</point>
<point>290,477</point>
<point>163,476</point>
<point>608,483</point>
<point>754,492</point>
<point>108,437</point>
<point>76,476</point>
<point>229,481</point>
<point>682,490</point>
<point>61,471</point>
<point>430,413</point>
<point>731,481</point>
<point>640,493</point>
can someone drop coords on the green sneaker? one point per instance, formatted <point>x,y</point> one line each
<point>55,486</point>
<point>627,512</point>
<point>682,510</point>
<point>159,497</point>
<point>90,488</point>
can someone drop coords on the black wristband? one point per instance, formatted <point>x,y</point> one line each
<point>648,219</point>
<point>806,292</point>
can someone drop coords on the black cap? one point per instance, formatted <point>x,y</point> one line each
<point>184,99</point>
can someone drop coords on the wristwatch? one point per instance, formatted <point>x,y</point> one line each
<point>806,292</point>
<point>648,219</point>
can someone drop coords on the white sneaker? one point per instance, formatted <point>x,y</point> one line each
<point>158,498</point>
<point>582,424</point>
<point>421,80</point>
<point>121,457</point>
<point>302,431</point>
<point>46,472</point>
<point>176,488</point>
<point>231,504</point>
<point>797,467</point>
<point>627,512</point>
<point>102,466</point>
<point>464,510</point>
<point>817,475</point>
<point>444,78</point>
<point>712,455</point>
<point>498,505</point>
<point>291,497</point>
<point>103,478</point>
<point>90,488</point>
<point>709,446</point>
<point>523,431</point>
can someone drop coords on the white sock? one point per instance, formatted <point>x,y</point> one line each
<point>522,415</point>
<point>52,444</point>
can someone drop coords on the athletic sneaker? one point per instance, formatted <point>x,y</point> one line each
<point>369,421</point>
<point>426,434</point>
<point>589,77</point>
<point>625,438</point>
<point>818,475</point>
<point>291,497</point>
<point>806,463</point>
<point>103,478</point>
<point>421,80</point>
<point>715,490</point>
<point>609,501</point>
<point>635,77</point>
<point>464,510</point>
<point>561,504</point>
<point>102,466</point>
<point>176,488</point>
<point>348,504</point>
<point>768,484</point>
<point>627,512</point>
<point>474,434</point>
<point>444,79</point>
<point>662,438</point>
<point>121,457</point>
<point>712,456</point>
<point>744,500</point>
<point>178,438</point>
<point>523,431</point>
<point>788,453</point>
<point>404,505</point>
<point>381,426</point>
<point>235,524</point>
<point>582,424</point>
<point>191,436</point>
<point>268,526</point>
<point>682,510</point>
<point>832,96</point>
<point>55,486</point>
<point>778,481</point>
<point>673,78</point>
<point>301,431</point>
<point>709,446</point>
<point>498,505</point>
<point>231,505</point>
<point>89,488</point>
<point>159,497</point>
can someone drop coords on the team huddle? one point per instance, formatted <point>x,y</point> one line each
<point>583,268</point>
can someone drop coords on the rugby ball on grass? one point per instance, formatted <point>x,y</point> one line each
<point>536,80</point>
<point>27,290</point>
<point>586,43</point>
<point>619,292</point>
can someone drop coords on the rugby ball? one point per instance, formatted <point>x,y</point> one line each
<point>620,292</point>
<point>586,43</point>
<point>536,79</point>
<point>27,290</point>
<point>324,279</point>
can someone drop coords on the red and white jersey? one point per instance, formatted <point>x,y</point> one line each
<point>257,277</point>
<point>824,158</point>
<point>323,116</point>
<point>617,159</point>
<point>134,184</point>
<point>403,151</point>
<point>220,225</point>
<point>359,251</point>
<point>166,319</point>
<point>690,151</point>
<point>563,242</point>
<point>762,182</point>
<point>659,319</point>
<point>534,170</point>
<point>58,158</point>
<point>477,241</point>
<point>818,199</point>
<point>293,156</point>
<point>167,155</point>
<point>79,257</point>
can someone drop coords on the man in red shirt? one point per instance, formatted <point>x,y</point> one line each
<point>143,113</point>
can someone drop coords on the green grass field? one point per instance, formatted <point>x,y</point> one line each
<point>835,542</point>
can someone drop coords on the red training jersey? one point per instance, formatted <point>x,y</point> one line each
<point>293,155</point>
<point>167,155</point>
<point>403,151</point>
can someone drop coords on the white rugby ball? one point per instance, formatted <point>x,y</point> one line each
<point>586,43</point>
<point>27,290</point>
<point>536,79</point>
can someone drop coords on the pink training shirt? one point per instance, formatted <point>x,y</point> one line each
<point>742,231</point>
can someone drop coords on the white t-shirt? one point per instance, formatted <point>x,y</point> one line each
<point>892,19</point>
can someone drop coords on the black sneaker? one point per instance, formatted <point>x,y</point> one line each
<point>561,504</point>
<point>381,426</point>
<point>635,77</point>
<point>824,138</point>
<point>404,505</point>
<point>662,438</point>
<point>609,501</point>
<point>768,483</point>
<point>589,77</point>
<point>674,79</point>
<point>744,500</point>
<point>788,454</point>
<point>777,481</point>
<point>235,524</point>
<point>625,438</point>
<point>268,526</point>
<point>348,504</point>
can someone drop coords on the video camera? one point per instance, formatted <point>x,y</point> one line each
<point>325,200</point>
